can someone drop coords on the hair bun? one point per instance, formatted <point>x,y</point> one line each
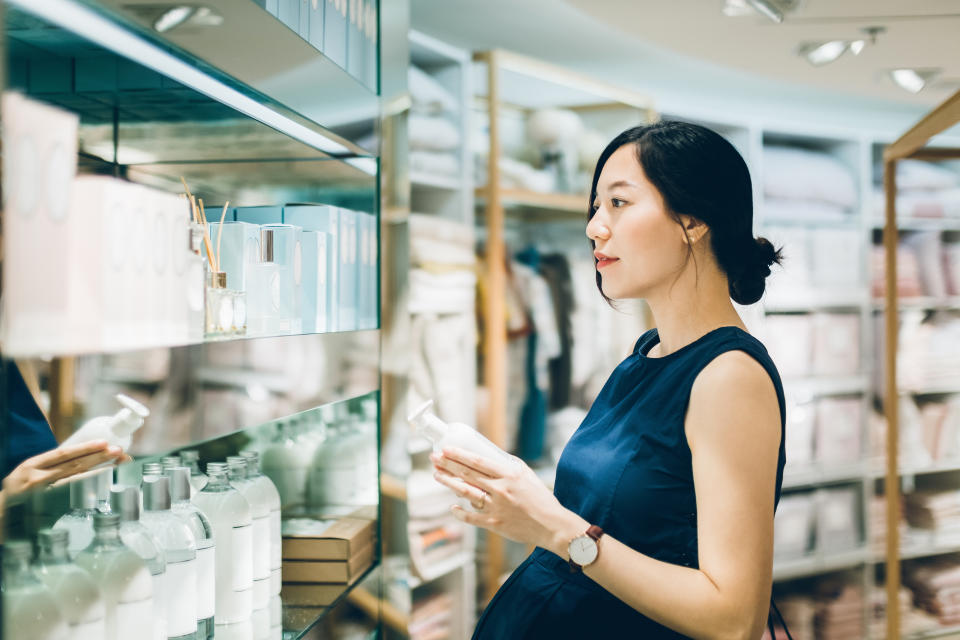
<point>749,284</point>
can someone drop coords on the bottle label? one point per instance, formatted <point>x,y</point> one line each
<point>276,542</point>
<point>206,582</point>
<point>181,598</point>
<point>242,551</point>
<point>261,547</point>
<point>130,616</point>
<point>160,604</point>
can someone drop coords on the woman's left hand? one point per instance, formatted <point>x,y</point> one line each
<point>510,501</point>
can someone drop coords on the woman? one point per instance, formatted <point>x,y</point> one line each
<point>661,521</point>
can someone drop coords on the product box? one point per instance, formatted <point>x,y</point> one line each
<point>314,281</point>
<point>306,595</point>
<point>347,305</point>
<point>255,215</point>
<point>340,540</point>
<point>356,42</point>
<point>371,27</point>
<point>335,31</point>
<point>289,13</point>
<point>323,218</point>
<point>315,23</point>
<point>328,571</point>
<point>39,164</point>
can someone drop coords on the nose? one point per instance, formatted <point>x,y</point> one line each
<point>597,228</point>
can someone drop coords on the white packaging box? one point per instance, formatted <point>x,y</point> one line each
<point>347,309</point>
<point>323,218</point>
<point>179,314</point>
<point>39,164</point>
<point>314,281</point>
<point>362,268</point>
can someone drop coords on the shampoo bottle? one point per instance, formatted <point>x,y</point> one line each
<point>30,610</point>
<point>191,460</point>
<point>260,512</point>
<point>77,595</point>
<point>116,429</point>
<point>273,500</point>
<point>123,578</point>
<point>456,434</point>
<point>78,522</point>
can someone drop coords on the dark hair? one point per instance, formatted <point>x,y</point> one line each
<point>700,174</point>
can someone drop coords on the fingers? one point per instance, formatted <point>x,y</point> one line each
<point>476,496</point>
<point>480,464</point>
<point>459,470</point>
<point>477,519</point>
<point>82,464</point>
<point>64,454</point>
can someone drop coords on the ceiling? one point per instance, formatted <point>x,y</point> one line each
<point>918,33</point>
<point>686,52</point>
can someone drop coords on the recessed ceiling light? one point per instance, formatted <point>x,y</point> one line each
<point>768,9</point>
<point>820,53</point>
<point>773,9</point>
<point>857,46</point>
<point>172,18</point>
<point>913,80</point>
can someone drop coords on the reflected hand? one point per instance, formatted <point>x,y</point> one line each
<point>512,502</point>
<point>60,463</point>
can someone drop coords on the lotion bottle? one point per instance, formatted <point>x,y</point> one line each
<point>77,595</point>
<point>116,429</point>
<point>272,497</point>
<point>30,610</point>
<point>456,434</point>
<point>78,522</point>
<point>260,512</point>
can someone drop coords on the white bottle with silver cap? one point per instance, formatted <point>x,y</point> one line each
<point>180,549</point>
<point>260,512</point>
<point>443,434</point>
<point>202,530</point>
<point>116,429</point>
<point>229,513</point>
<point>125,502</point>
<point>76,593</point>
<point>30,610</point>
<point>78,522</point>
<point>123,578</point>
<point>272,496</point>
<point>191,460</point>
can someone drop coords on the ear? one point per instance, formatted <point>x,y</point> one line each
<point>693,228</point>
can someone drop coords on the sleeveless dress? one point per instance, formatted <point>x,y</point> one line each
<point>627,469</point>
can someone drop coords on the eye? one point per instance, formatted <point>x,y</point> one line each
<point>617,202</point>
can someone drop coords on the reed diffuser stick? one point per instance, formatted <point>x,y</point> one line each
<point>206,237</point>
<point>223,216</point>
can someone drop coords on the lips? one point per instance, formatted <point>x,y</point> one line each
<point>603,260</point>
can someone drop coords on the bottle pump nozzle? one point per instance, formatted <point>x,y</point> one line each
<point>130,417</point>
<point>427,423</point>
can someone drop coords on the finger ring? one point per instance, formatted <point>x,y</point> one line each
<point>483,501</point>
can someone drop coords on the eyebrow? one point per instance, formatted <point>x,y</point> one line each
<point>621,183</point>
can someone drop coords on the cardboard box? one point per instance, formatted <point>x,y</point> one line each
<point>339,541</point>
<point>306,595</point>
<point>328,571</point>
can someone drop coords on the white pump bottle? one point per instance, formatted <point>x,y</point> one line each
<point>116,429</point>
<point>456,434</point>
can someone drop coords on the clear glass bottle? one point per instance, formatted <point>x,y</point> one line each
<point>77,596</point>
<point>180,550</point>
<point>260,512</point>
<point>78,522</point>
<point>151,470</point>
<point>265,289</point>
<point>202,530</point>
<point>229,513</point>
<point>123,577</point>
<point>226,313</point>
<point>30,610</point>
<point>272,496</point>
<point>191,460</point>
<point>125,502</point>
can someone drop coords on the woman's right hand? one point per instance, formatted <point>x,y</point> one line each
<point>57,464</point>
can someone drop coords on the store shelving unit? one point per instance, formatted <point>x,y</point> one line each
<point>157,105</point>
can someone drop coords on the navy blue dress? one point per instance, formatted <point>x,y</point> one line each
<point>628,470</point>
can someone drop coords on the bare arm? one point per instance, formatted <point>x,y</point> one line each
<point>733,429</point>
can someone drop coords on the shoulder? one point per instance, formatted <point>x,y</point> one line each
<point>734,394</point>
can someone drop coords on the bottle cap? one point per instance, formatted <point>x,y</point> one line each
<point>156,493</point>
<point>179,483</point>
<point>266,244</point>
<point>213,466</point>
<point>237,467</point>
<point>426,423</point>
<point>253,461</point>
<point>105,521</point>
<point>125,502</point>
<point>190,455</point>
<point>216,474</point>
<point>84,493</point>
<point>50,539</point>
<point>130,418</point>
<point>17,550</point>
<point>152,469</point>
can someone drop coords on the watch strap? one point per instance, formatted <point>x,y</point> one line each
<point>594,532</point>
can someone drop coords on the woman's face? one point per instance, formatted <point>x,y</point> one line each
<point>639,247</point>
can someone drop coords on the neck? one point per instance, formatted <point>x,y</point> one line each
<point>695,304</point>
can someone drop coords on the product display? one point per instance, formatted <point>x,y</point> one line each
<point>77,596</point>
<point>30,608</point>
<point>123,578</point>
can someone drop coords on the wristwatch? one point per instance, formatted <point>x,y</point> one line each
<point>584,549</point>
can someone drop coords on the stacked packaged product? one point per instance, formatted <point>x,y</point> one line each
<point>936,588</point>
<point>434,138</point>
<point>928,265</point>
<point>913,620</point>
<point>924,190</point>
<point>821,521</point>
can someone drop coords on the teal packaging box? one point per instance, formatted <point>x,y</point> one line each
<point>314,281</point>
<point>289,13</point>
<point>257,215</point>
<point>356,43</point>
<point>315,27</point>
<point>335,31</point>
<point>371,28</point>
<point>326,219</point>
<point>347,307</point>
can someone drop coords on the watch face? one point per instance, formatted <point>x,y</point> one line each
<point>583,550</point>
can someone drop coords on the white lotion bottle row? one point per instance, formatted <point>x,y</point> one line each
<point>30,610</point>
<point>77,596</point>
<point>271,496</point>
<point>260,513</point>
<point>123,578</point>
